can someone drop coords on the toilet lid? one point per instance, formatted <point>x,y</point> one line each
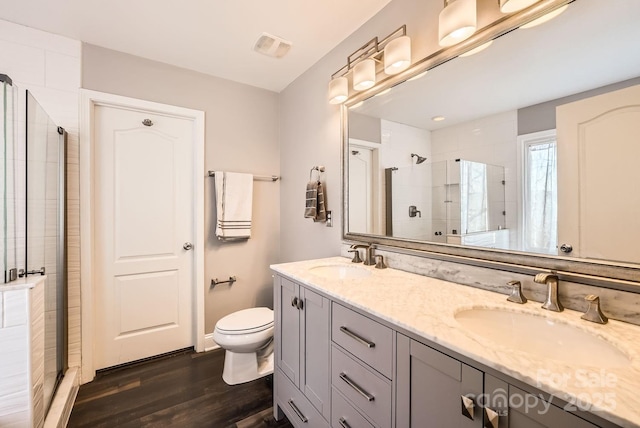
<point>247,320</point>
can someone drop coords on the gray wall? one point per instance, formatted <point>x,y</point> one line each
<point>365,128</point>
<point>241,135</point>
<point>541,117</point>
<point>310,126</point>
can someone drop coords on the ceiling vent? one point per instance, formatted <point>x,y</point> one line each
<point>271,45</point>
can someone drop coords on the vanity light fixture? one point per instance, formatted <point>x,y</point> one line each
<point>393,53</point>
<point>338,90</point>
<point>397,55</point>
<point>456,22</point>
<point>364,74</point>
<point>545,18</point>
<point>510,6</point>
<point>476,50</point>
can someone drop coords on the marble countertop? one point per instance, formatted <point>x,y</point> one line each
<point>427,307</point>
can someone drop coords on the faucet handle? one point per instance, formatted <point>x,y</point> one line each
<point>356,256</point>
<point>380,263</point>
<point>516,295</point>
<point>542,278</point>
<point>593,313</point>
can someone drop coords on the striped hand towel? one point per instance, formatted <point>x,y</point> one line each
<point>234,197</point>
<point>314,206</point>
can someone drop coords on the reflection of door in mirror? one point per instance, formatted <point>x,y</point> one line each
<point>599,202</point>
<point>361,190</point>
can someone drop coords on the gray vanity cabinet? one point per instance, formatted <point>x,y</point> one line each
<point>302,353</point>
<point>340,367</point>
<point>433,389</point>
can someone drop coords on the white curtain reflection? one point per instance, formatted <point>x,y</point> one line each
<point>540,204</point>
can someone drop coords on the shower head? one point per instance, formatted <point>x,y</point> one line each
<point>419,159</point>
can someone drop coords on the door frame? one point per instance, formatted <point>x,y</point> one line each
<point>88,101</point>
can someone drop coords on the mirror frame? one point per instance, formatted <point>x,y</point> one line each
<point>608,274</point>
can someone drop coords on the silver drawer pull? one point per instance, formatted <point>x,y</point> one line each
<point>355,386</point>
<point>357,338</point>
<point>343,423</point>
<point>302,417</point>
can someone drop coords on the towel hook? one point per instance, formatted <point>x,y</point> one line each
<point>320,170</point>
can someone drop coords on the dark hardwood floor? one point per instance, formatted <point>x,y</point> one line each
<point>182,390</point>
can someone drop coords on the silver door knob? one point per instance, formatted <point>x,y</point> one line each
<point>566,248</point>
<point>187,246</point>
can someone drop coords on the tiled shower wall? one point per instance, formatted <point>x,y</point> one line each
<point>411,184</point>
<point>49,66</point>
<point>491,140</point>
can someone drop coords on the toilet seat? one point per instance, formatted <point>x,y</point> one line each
<point>246,321</point>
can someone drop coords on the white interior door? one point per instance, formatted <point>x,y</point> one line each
<point>144,214</point>
<point>598,197</point>
<point>360,189</point>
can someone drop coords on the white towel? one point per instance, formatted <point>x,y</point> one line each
<point>234,197</point>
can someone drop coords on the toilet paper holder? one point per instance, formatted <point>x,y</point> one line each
<point>215,281</point>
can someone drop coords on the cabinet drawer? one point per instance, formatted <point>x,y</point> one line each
<point>363,337</point>
<point>367,390</point>
<point>298,409</point>
<point>343,415</point>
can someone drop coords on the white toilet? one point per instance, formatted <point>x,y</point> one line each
<point>247,337</point>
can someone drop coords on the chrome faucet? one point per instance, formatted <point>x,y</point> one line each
<point>369,258</point>
<point>551,280</point>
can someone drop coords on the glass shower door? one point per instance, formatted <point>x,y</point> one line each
<point>45,233</point>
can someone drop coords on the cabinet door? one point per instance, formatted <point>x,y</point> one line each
<point>496,402</point>
<point>288,329</point>
<point>529,411</point>
<point>315,350</point>
<point>431,387</point>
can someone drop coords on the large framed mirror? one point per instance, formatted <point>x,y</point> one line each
<point>525,153</point>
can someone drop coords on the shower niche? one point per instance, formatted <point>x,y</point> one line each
<point>33,222</point>
<point>454,201</point>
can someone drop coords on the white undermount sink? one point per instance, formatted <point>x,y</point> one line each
<point>541,336</point>
<point>340,271</point>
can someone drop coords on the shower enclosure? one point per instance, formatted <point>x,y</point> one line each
<point>33,216</point>
<point>453,201</point>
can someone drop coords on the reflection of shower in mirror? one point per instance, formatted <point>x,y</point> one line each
<point>419,159</point>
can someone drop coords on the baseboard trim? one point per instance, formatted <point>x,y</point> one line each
<point>65,397</point>
<point>209,343</point>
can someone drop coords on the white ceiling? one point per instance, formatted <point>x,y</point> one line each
<point>214,37</point>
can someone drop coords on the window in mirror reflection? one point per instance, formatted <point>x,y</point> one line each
<point>540,228</point>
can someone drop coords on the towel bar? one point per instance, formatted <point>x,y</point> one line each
<point>255,177</point>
